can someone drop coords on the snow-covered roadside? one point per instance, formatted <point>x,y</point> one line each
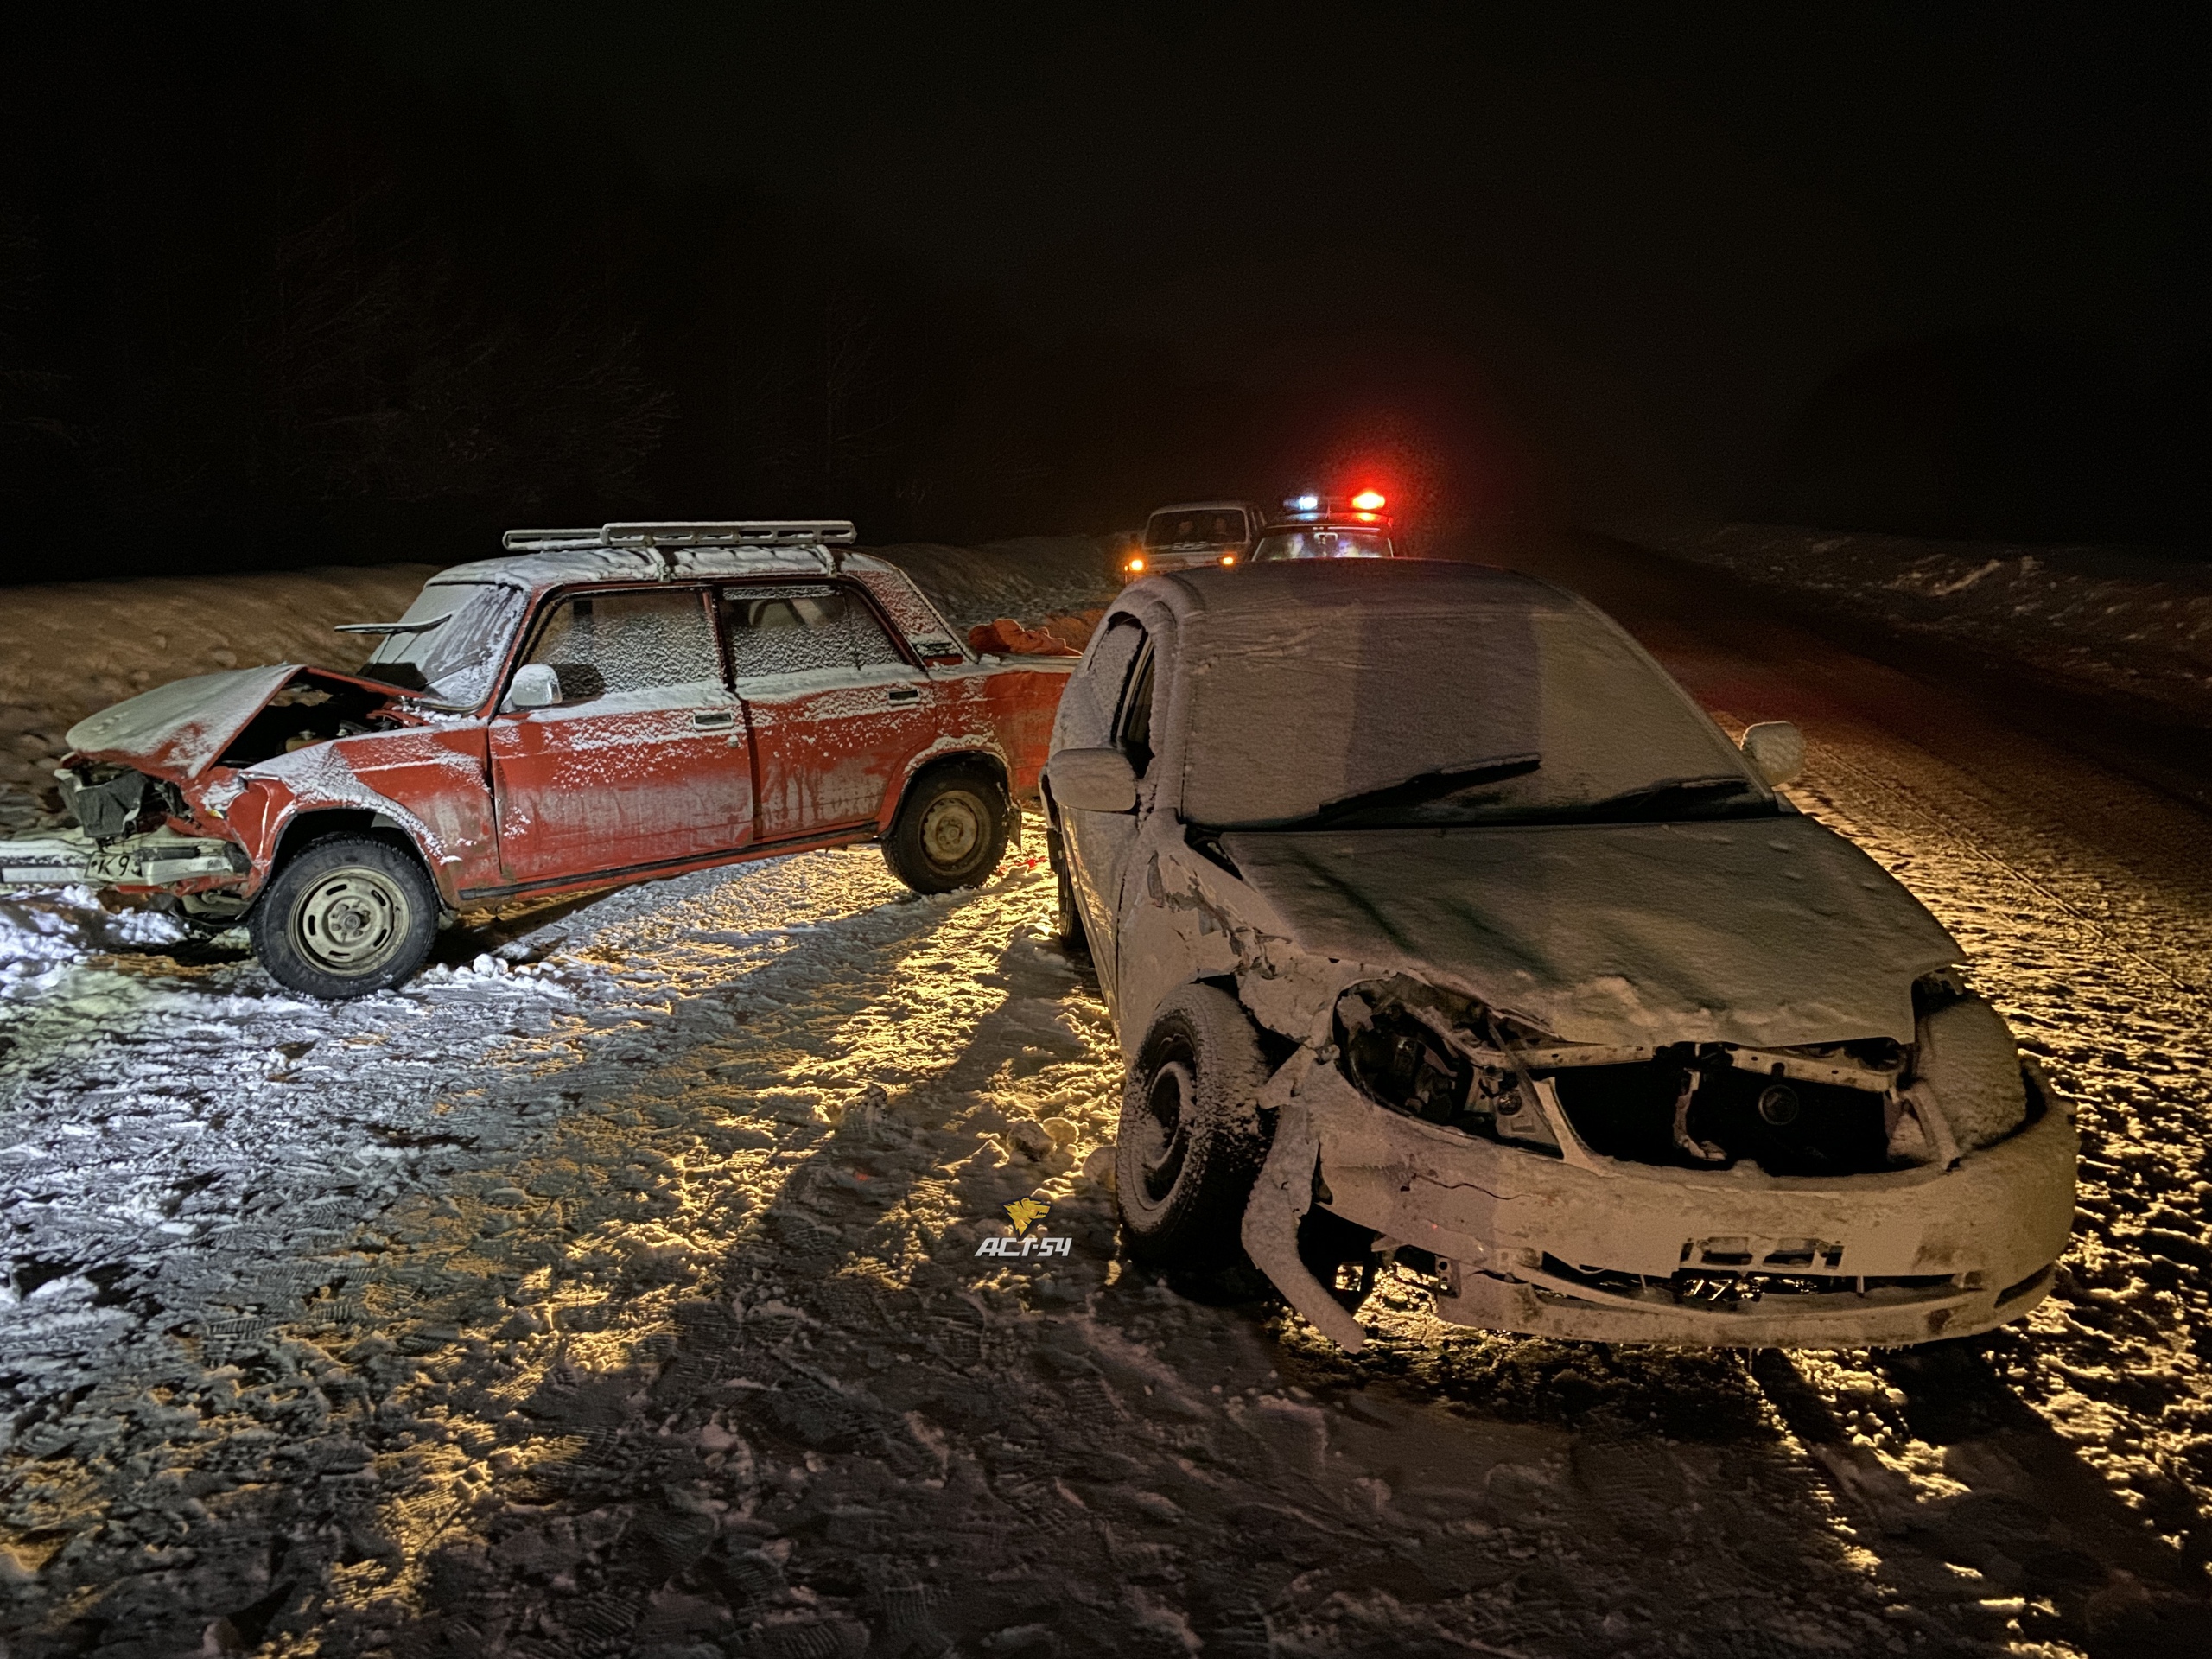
<point>613,1289</point>
<point>2111,620</point>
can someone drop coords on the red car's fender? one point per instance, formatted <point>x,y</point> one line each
<point>1006,715</point>
<point>427,783</point>
<point>982,746</point>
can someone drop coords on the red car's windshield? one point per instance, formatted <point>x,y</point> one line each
<point>455,657</point>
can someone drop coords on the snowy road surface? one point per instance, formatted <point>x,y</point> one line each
<point>614,1291</point>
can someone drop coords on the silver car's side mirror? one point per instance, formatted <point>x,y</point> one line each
<point>1093,780</point>
<point>534,686</point>
<point>1776,749</point>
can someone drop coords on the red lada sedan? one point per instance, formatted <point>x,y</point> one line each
<point>601,706</point>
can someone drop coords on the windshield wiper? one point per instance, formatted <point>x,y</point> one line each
<point>392,628</point>
<point>1426,786</point>
<point>1667,793</point>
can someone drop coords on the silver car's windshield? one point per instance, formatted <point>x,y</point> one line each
<point>1318,715</point>
<point>453,661</point>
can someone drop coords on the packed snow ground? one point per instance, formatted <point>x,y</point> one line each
<point>613,1289</point>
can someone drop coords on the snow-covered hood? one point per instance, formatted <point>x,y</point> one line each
<point>1769,931</point>
<point>179,730</point>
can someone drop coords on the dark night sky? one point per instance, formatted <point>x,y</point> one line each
<point>1940,271</point>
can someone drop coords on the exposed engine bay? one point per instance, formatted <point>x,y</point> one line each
<point>109,801</point>
<point>1844,1109</point>
<point>312,709</point>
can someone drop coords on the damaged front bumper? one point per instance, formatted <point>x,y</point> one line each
<point>1585,1247</point>
<point>158,858</point>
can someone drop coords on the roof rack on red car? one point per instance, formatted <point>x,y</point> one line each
<point>748,532</point>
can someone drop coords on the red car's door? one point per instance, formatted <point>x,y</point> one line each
<point>643,760</point>
<point>835,708</point>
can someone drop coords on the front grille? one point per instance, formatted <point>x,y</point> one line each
<point>1705,1287</point>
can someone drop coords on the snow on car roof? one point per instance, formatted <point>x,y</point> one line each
<point>1383,587</point>
<point>536,573</point>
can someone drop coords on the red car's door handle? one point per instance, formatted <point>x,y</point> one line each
<point>902,693</point>
<point>715,719</point>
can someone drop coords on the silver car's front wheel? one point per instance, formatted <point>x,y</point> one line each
<point>1191,1142</point>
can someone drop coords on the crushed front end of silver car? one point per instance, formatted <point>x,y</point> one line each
<point>1696,1192</point>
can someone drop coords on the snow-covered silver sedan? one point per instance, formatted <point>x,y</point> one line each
<point>1438,924</point>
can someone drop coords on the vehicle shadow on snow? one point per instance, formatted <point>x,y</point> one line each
<point>2106,1564</point>
<point>924,1447</point>
<point>2015,1505</point>
<point>644,1387</point>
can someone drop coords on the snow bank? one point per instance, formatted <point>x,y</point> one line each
<point>2113,620</point>
<point>39,929</point>
<point>68,649</point>
<point>1029,578</point>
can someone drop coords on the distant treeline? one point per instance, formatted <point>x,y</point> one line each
<point>265,303</point>
<point>262,303</point>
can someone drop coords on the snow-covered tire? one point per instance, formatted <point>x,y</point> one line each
<point>344,916</point>
<point>1191,1142</point>
<point>951,830</point>
<point>1067,921</point>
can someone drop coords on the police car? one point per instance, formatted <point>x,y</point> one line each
<point>1315,527</point>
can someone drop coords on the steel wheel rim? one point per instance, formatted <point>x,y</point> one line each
<point>952,829</point>
<point>352,921</point>
<point>1165,1131</point>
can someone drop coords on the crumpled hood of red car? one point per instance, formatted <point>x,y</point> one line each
<point>179,730</point>
<point>1772,931</point>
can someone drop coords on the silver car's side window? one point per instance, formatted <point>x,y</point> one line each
<point>1133,723</point>
<point>1093,692</point>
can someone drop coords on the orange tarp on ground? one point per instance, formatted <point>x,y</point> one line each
<point>1008,638</point>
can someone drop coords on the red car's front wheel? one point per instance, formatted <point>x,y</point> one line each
<point>346,916</point>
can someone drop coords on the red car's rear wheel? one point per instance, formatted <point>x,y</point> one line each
<point>951,830</point>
